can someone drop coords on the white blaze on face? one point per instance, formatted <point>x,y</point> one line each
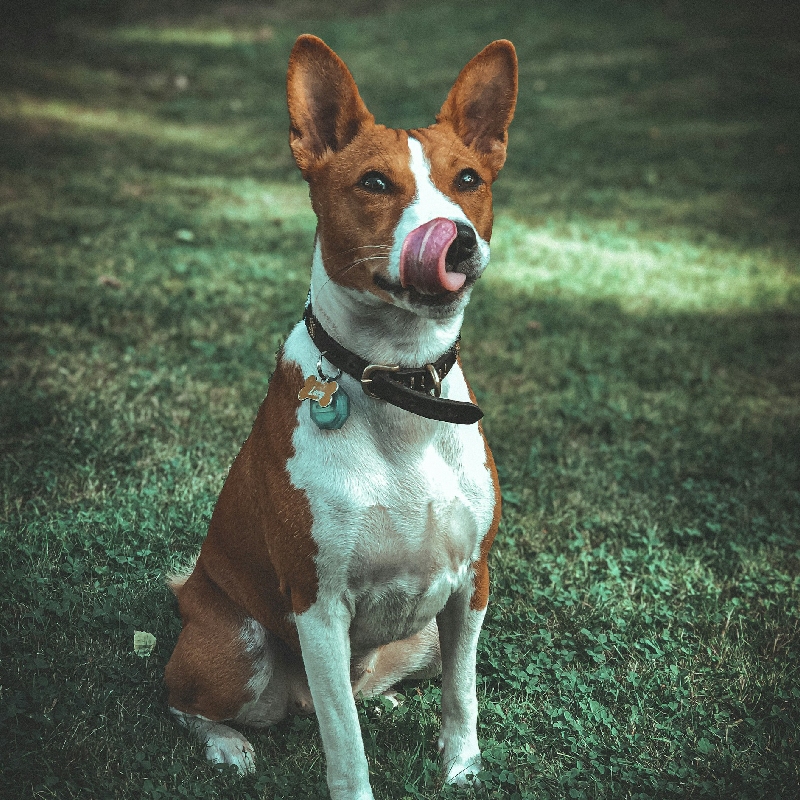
<point>428,204</point>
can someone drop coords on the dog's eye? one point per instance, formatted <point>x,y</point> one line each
<point>375,182</point>
<point>468,180</point>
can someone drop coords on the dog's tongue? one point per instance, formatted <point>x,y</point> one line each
<point>422,258</point>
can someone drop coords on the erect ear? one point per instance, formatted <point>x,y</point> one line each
<point>325,109</point>
<point>481,103</point>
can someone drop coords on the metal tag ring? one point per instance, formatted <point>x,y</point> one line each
<point>322,375</point>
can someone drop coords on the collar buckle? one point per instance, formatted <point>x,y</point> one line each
<point>366,376</point>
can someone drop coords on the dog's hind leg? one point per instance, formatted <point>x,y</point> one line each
<point>414,658</point>
<point>224,668</point>
<point>279,685</point>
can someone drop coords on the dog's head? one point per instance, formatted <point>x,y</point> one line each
<point>404,216</point>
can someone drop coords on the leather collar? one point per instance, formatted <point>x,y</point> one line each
<point>408,388</point>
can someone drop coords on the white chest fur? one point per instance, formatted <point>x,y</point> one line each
<point>400,505</point>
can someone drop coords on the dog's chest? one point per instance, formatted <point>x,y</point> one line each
<point>400,546</point>
<point>400,507</point>
<point>411,550</point>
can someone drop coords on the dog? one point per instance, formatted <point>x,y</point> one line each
<point>348,547</point>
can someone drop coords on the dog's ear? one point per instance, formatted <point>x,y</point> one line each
<point>481,103</point>
<point>325,109</point>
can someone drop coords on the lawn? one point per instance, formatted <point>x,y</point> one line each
<point>635,346</point>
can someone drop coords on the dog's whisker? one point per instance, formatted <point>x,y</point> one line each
<point>367,258</point>
<point>363,247</point>
<point>350,266</point>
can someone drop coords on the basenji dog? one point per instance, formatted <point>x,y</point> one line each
<point>348,548</point>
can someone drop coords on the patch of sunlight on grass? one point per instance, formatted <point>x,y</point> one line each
<point>211,37</point>
<point>212,138</point>
<point>591,260</point>
<point>246,199</point>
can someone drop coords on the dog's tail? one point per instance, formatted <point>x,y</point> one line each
<point>176,579</point>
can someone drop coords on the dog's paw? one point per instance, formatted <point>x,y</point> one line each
<point>463,773</point>
<point>224,745</point>
<point>461,764</point>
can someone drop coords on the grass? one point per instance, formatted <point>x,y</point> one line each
<point>636,348</point>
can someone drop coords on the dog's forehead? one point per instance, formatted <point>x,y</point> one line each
<point>387,150</point>
<point>445,151</point>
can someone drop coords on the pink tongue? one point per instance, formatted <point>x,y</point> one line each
<point>422,258</point>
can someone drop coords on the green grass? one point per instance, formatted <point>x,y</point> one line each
<point>635,345</point>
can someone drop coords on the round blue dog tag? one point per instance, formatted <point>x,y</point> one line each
<point>332,416</point>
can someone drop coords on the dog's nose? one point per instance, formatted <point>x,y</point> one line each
<point>463,247</point>
<point>465,236</point>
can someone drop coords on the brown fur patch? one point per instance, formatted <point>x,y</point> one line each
<point>353,223</point>
<point>480,592</point>
<point>256,561</point>
<point>259,548</point>
<point>209,668</point>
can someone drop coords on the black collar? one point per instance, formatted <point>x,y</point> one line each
<point>405,387</point>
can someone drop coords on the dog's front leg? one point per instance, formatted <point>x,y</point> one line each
<point>325,643</point>
<point>459,627</point>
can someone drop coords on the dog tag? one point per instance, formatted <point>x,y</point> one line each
<point>329,407</point>
<point>320,391</point>
<point>332,415</point>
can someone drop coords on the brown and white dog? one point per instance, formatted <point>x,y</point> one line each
<point>345,556</point>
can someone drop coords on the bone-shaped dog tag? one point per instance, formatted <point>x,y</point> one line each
<point>330,405</point>
<point>321,391</point>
